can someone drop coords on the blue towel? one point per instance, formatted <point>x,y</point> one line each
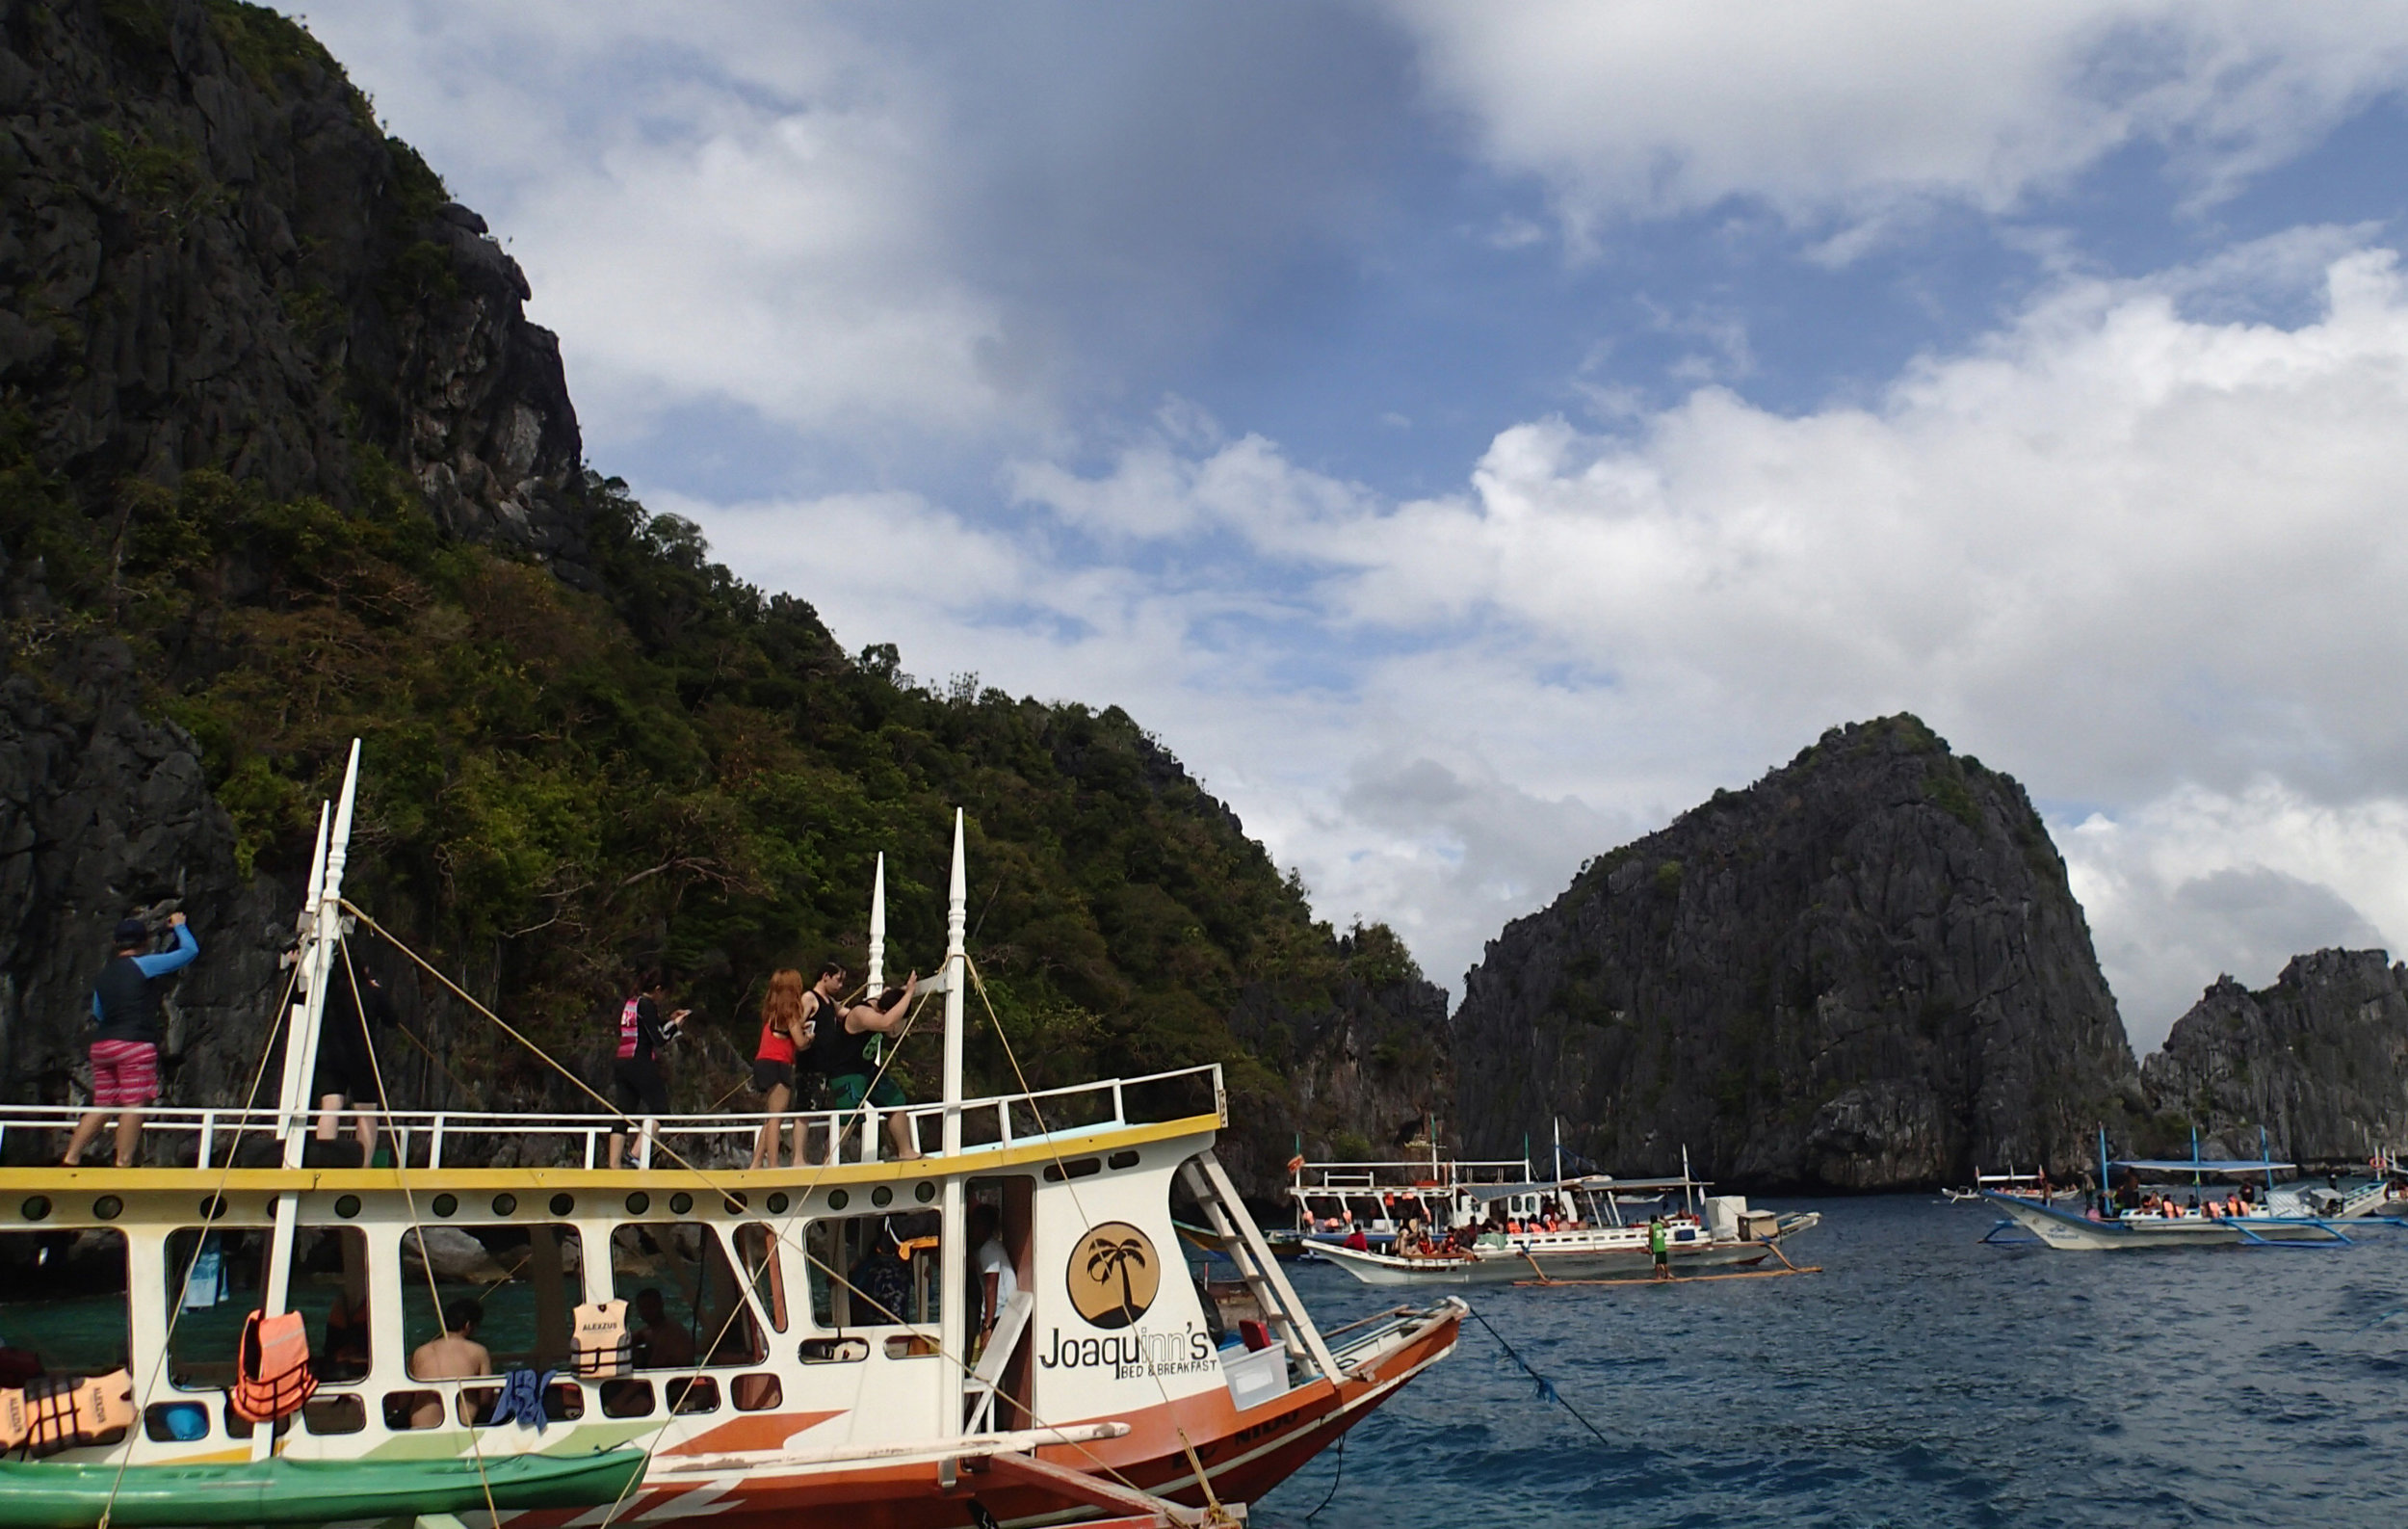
<point>522,1398</point>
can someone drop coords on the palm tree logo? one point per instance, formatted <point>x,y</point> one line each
<point>1113,1274</point>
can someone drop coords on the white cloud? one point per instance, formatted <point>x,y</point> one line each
<point>1855,111</point>
<point>724,202</point>
<point>2137,559</point>
<point>2198,884</point>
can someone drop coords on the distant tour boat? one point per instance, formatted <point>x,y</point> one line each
<point>1433,1222</point>
<point>2195,1216</point>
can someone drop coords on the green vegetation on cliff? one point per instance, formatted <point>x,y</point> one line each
<point>560,784</point>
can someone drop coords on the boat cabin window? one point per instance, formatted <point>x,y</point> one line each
<point>684,1300</point>
<point>212,1284</point>
<point>874,1271</point>
<point>526,1278</point>
<point>329,1287</point>
<point>764,1264</point>
<point>63,1304</point>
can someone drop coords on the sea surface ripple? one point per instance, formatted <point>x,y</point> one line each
<point>1922,1378</point>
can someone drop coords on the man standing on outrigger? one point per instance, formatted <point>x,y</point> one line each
<point>126,1003</point>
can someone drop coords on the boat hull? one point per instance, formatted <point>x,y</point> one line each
<point>72,1496</point>
<point>2068,1233</point>
<point>1513,1265</point>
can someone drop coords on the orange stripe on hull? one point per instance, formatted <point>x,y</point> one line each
<point>1245,1454</point>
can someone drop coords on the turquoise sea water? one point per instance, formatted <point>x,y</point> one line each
<point>1921,1379</point>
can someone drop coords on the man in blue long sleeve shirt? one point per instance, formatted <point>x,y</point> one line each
<point>125,1006</point>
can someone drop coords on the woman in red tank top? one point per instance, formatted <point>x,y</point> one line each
<point>774,1064</point>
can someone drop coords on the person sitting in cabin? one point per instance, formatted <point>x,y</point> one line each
<point>356,1011</point>
<point>636,1079</point>
<point>1358,1241</point>
<point>2232,1204</point>
<point>456,1355</point>
<point>785,1032</point>
<point>659,1344</point>
<point>880,1282</point>
<point>127,1005</point>
<point>346,1353</point>
<point>841,1049</point>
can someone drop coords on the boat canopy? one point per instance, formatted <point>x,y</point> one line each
<point>2200,1164</point>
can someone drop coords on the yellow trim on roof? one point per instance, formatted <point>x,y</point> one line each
<point>977,1162</point>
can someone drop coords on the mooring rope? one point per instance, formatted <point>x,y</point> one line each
<point>1547,1391</point>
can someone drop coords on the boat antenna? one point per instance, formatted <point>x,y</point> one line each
<point>2103,1164</point>
<point>2267,1158</point>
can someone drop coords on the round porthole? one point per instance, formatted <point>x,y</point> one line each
<point>108,1207</point>
<point>445,1204</point>
<point>733,1204</point>
<point>36,1208</point>
<point>562,1204</point>
<point>210,1209</point>
<point>505,1205</point>
<point>925,1193</point>
<point>838,1199</point>
<point>882,1195</point>
<point>680,1202</point>
<point>347,1206</point>
<point>639,1202</point>
<point>777,1204</point>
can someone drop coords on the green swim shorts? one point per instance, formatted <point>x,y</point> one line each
<point>848,1090</point>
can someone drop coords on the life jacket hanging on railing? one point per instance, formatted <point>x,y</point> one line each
<point>273,1379</point>
<point>606,1350</point>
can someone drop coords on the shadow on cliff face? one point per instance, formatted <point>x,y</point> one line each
<point>1864,972</point>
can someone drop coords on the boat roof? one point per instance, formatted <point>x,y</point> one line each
<point>2200,1164</point>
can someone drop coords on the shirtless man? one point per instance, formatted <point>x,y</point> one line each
<point>453,1357</point>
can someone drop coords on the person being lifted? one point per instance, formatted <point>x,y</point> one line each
<point>840,1044</point>
<point>126,1003</point>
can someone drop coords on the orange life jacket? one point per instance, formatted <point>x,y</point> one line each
<point>272,1378</point>
<point>605,1348</point>
<point>58,1412</point>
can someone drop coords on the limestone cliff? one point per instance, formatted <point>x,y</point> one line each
<point>216,259</point>
<point>2319,1059</point>
<point>1864,971</point>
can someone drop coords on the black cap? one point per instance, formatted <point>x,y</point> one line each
<point>132,931</point>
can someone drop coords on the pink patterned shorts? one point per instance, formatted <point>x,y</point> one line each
<point>124,1074</point>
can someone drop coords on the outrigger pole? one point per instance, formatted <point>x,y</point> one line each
<point>324,910</point>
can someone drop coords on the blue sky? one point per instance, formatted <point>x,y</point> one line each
<point>1469,434</point>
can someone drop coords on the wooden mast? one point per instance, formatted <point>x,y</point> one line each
<point>300,1050</point>
<point>954,1334</point>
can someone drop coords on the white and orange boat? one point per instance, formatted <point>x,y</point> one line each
<point>217,1343</point>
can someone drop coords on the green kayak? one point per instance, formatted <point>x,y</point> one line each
<point>39,1495</point>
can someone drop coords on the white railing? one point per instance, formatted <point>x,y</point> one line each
<point>1323,1180</point>
<point>716,1142</point>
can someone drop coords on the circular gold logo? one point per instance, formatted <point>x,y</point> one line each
<point>1113,1274</point>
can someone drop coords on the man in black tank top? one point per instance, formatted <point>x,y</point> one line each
<point>840,1048</point>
